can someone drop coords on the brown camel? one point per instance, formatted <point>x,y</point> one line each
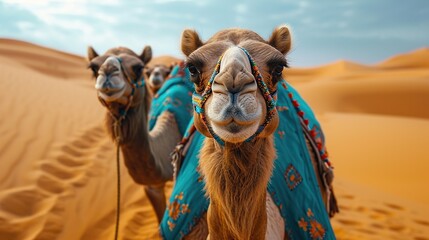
<point>120,89</point>
<point>156,76</point>
<point>236,175</point>
<point>234,110</point>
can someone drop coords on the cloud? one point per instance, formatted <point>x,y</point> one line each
<point>196,3</point>
<point>170,1</point>
<point>241,8</point>
<point>326,29</point>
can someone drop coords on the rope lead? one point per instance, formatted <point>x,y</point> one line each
<point>116,129</point>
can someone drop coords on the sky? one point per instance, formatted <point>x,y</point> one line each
<point>323,31</point>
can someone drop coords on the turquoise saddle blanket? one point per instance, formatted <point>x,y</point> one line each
<point>174,96</point>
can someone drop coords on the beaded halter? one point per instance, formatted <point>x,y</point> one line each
<point>270,99</point>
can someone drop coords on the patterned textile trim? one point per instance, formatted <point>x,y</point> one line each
<point>292,176</point>
<point>310,225</point>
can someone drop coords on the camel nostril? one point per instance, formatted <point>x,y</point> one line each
<point>233,90</point>
<point>107,85</point>
<point>232,111</point>
<point>234,97</point>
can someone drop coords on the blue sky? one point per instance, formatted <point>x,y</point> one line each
<point>364,31</point>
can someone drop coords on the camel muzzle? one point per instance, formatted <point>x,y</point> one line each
<point>199,101</point>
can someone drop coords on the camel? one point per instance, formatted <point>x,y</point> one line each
<point>251,170</point>
<point>147,125</point>
<point>156,76</point>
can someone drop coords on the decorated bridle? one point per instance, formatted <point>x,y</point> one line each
<point>198,100</point>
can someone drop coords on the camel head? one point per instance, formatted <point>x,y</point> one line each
<point>156,76</point>
<point>116,71</point>
<point>235,104</point>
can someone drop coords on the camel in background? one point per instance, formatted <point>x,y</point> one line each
<point>156,76</point>
<point>147,134</point>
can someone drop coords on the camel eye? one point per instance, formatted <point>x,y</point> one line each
<point>148,71</point>
<point>193,70</point>
<point>277,71</point>
<point>94,68</point>
<point>137,69</point>
<point>167,73</point>
<point>195,73</point>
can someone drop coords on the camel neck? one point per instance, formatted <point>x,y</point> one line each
<point>236,181</point>
<point>135,144</point>
<point>135,119</point>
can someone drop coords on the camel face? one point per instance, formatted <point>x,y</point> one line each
<point>116,71</point>
<point>156,76</point>
<point>238,106</point>
<point>111,82</point>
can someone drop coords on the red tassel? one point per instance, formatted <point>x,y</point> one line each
<point>306,121</point>
<point>313,133</point>
<point>319,146</point>
<point>301,113</point>
<point>295,103</point>
<point>290,95</point>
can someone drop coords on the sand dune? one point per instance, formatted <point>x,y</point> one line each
<point>416,59</point>
<point>44,60</point>
<point>58,174</point>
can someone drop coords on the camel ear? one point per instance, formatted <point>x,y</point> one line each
<point>146,54</point>
<point>91,53</point>
<point>190,41</point>
<point>280,39</point>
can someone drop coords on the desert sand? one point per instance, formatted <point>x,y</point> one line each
<point>58,170</point>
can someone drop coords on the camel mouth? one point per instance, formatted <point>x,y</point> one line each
<point>111,94</point>
<point>234,131</point>
<point>238,118</point>
<point>156,82</point>
<point>233,128</point>
<point>110,88</point>
<point>234,119</point>
<point>244,113</point>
